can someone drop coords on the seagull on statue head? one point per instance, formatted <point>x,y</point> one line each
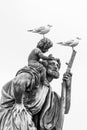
<point>41,30</point>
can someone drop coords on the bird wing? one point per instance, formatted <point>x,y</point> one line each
<point>74,44</point>
<point>37,30</point>
<point>69,42</point>
<point>40,29</point>
<point>66,43</point>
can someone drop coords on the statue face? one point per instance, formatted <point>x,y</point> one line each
<point>53,69</point>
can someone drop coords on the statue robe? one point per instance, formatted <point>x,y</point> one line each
<point>14,116</point>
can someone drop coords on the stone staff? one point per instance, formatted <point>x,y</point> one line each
<point>65,101</point>
<point>63,93</point>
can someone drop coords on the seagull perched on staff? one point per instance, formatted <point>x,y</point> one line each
<point>71,43</point>
<point>41,30</point>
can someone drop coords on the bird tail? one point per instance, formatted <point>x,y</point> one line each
<point>61,43</point>
<point>30,30</point>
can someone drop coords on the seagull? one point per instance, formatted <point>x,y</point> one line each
<point>41,30</point>
<point>72,43</point>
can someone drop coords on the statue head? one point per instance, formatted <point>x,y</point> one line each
<point>44,44</point>
<point>52,68</point>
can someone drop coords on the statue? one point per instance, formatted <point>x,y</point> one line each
<point>37,54</point>
<point>28,102</point>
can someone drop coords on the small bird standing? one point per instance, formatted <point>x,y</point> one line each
<point>41,30</point>
<point>71,43</point>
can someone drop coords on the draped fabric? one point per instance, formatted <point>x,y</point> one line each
<point>50,113</point>
<point>33,71</point>
<point>14,116</point>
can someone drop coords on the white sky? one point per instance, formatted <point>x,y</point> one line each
<point>69,19</point>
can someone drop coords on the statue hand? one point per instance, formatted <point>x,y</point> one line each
<point>67,77</point>
<point>51,57</point>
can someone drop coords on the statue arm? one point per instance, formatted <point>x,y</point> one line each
<point>40,54</point>
<point>67,77</point>
<point>68,99</point>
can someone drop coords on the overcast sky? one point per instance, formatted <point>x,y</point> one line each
<point>69,19</point>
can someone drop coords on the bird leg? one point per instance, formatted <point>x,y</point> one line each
<point>43,36</point>
<point>73,48</point>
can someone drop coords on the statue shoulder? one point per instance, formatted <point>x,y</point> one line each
<point>37,50</point>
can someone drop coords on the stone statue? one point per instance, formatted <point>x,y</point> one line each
<point>37,54</point>
<point>27,103</point>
